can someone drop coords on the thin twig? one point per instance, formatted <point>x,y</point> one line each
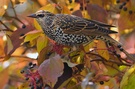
<point>6,26</point>
<point>13,8</point>
<point>118,63</point>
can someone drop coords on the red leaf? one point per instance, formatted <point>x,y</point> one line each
<point>15,38</point>
<point>97,13</point>
<point>51,69</point>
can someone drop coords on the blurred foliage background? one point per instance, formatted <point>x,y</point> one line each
<point>25,47</point>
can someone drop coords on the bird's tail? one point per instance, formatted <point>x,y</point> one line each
<point>109,39</point>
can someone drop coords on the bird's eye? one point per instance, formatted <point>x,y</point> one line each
<point>40,15</point>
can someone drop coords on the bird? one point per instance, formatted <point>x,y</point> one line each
<point>72,30</point>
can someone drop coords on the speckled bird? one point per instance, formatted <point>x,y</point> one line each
<point>72,30</point>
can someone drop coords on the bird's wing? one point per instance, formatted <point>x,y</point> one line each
<point>100,23</point>
<point>77,25</point>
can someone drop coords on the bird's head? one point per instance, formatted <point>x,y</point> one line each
<point>42,16</point>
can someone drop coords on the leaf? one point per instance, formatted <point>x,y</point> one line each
<point>67,75</point>
<point>86,14</point>
<point>126,20</point>
<point>89,46</point>
<point>65,10</point>
<point>97,13</point>
<point>51,69</point>
<point>42,42</point>
<point>102,49</point>
<point>9,44</point>
<point>51,8</point>
<point>3,6</point>
<point>43,55</point>
<point>42,2</point>
<point>32,35</point>
<point>24,86</point>
<point>36,25</point>
<point>77,13</point>
<point>2,46</point>
<point>128,80</point>
<point>4,78</point>
<point>15,38</point>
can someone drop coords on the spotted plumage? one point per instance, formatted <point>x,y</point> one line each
<point>71,30</point>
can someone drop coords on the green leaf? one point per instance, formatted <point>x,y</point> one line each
<point>128,80</point>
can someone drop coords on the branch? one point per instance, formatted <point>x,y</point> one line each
<point>13,8</point>
<point>6,26</point>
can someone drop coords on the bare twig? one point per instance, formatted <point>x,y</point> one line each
<point>6,26</point>
<point>13,8</point>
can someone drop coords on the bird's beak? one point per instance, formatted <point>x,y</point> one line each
<point>33,16</point>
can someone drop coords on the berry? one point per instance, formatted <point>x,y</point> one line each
<point>118,55</point>
<point>121,49</point>
<point>119,46</point>
<point>32,87</point>
<point>70,1</point>
<point>81,8</point>
<point>77,1</point>
<point>121,6</point>
<point>71,9</point>
<point>22,34</point>
<point>87,1</point>
<point>23,26</point>
<point>85,8</point>
<point>130,12</point>
<point>22,71</point>
<point>26,78</point>
<point>125,8</point>
<point>124,3</point>
<point>30,63</point>
<point>101,82</point>
<point>118,1</point>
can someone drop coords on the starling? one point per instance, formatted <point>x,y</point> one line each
<point>72,30</point>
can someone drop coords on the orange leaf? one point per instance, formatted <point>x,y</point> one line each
<point>3,6</point>
<point>4,78</point>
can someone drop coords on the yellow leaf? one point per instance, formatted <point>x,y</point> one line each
<point>42,42</point>
<point>65,9</point>
<point>37,26</point>
<point>50,7</point>
<point>89,46</point>
<point>85,14</point>
<point>24,86</point>
<point>102,49</point>
<point>32,35</point>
